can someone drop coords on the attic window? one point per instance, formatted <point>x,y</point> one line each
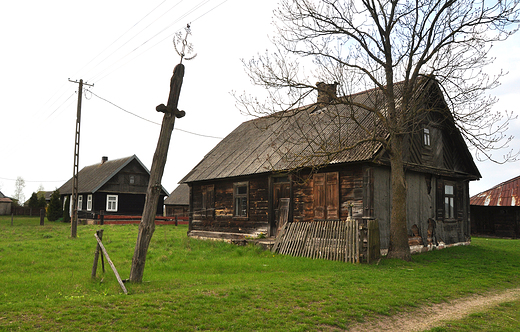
<point>132,179</point>
<point>426,137</point>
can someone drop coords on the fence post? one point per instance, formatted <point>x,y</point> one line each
<point>175,220</point>
<point>96,255</point>
<point>101,217</point>
<point>42,217</point>
<point>12,217</point>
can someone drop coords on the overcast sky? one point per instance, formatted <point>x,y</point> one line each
<point>124,48</point>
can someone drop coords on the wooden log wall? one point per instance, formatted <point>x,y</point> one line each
<point>350,193</point>
<point>223,219</point>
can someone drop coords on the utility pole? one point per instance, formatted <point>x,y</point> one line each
<point>74,218</point>
<point>147,224</point>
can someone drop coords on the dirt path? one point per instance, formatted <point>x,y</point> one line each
<point>432,316</point>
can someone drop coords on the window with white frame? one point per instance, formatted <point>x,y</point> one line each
<point>80,202</point>
<point>426,137</point>
<point>112,203</point>
<point>89,203</point>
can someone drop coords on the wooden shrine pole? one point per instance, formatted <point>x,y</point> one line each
<point>147,224</point>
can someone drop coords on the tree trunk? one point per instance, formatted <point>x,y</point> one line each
<point>398,247</point>
<point>147,225</point>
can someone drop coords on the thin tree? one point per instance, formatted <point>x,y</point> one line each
<point>18,190</point>
<point>388,46</point>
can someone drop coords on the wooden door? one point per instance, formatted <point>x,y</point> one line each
<point>281,203</point>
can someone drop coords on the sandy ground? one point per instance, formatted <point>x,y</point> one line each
<point>431,316</point>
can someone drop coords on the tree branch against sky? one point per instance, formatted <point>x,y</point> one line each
<point>369,44</point>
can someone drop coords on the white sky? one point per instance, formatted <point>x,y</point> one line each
<point>125,49</point>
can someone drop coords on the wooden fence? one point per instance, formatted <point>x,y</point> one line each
<point>352,241</point>
<point>121,219</point>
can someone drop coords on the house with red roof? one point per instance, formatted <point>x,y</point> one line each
<point>496,211</point>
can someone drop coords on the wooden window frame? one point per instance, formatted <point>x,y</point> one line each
<point>207,201</point>
<point>116,203</point>
<point>427,137</point>
<point>89,202</point>
<point>239,197</point>
<point>449,201</point>
<point>80,202</point>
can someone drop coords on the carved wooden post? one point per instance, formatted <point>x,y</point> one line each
<point>147,225</point>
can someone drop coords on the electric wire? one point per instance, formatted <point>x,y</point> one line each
<point>142,118</point>
<point>7,179</point>
<point>106,71</point>
<point>193,9</point>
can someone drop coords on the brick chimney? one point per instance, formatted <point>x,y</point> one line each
<point>104,159</point>
<point>326,92</point>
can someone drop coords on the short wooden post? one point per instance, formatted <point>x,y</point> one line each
<point>42,217</point>
<point>12,217</point>
<point>96,255</point>
<point>101,217</point>
<point>111,264</point>
<point>175,220</point>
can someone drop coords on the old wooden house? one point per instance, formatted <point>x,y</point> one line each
<point>114,187</point>
<point>496,211</point>
<point>275,162</point>
<point>5,204</point>
<point>178,203</point>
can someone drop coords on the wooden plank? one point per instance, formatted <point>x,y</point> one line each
<point>111,264</point>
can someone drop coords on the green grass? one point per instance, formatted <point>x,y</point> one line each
<point>188,285</point>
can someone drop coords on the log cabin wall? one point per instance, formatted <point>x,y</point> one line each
<point>217,213</point>
<point>350,191</point>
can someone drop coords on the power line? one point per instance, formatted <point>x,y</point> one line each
<point>7,179</point>
<point>140,117</point>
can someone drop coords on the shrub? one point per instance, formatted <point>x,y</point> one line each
<point>54,211</point>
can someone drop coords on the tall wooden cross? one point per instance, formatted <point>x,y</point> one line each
<point>147,225</point>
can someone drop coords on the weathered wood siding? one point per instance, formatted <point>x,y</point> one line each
<point>120,183</point>
<point>350,191</point>
<point>222,218</point>
<point>424,203</point>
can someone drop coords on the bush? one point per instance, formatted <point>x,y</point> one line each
<point>54,211</point>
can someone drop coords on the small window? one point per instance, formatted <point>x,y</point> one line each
<point>132,179</point>
<point>112,203</point>
<point>426,137</point>
<point>449,202</point>
<point>89,203</point>
<point>80,202</point>
<point>240,198</point>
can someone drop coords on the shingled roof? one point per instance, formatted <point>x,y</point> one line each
<point>92,178</point>
<point>505,194</point>
<point>303,137</point>
<point>180,196</point>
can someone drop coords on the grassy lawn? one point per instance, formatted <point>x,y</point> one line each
<point>46,284</point>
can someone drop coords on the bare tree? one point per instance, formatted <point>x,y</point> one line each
<point>18,190</point>
<point>387,46</point>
